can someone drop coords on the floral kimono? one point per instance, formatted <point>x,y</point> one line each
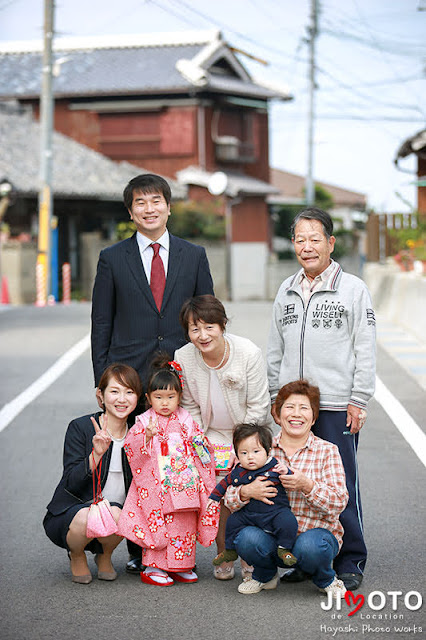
<point>165,511</point>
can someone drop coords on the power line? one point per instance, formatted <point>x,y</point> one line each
<point>348,116</point>
<point>375,40</point>
<point>388,81</point>
<point>368,97</point>
<point>392,48</point>
<point>224,26</point>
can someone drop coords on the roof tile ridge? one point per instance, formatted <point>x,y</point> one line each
<point>124,41</point>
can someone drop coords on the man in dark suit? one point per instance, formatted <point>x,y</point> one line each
<point>127,325</point>
<point>140,288</point>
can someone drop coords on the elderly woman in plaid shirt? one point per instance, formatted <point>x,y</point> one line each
<point>316,491</point>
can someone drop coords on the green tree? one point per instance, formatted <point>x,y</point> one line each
<point>285,215</point>
<point>189,220</point>
<point>192,219</point>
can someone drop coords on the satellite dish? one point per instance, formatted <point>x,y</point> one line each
<point>217,183</point>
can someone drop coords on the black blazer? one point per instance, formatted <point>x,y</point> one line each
<point>126,324</point>
<point>76,485</point>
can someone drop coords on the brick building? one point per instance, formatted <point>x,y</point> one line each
<point>182,105</point>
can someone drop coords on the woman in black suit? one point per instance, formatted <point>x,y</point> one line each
<point>94,442</point>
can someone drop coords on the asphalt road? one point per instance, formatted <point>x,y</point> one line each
<point>38,600</point>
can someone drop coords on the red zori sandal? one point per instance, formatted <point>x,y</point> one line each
<point>183,576</point>
<point>157,579</point>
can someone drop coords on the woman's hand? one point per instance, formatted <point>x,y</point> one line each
<point>151,430</point>
<point>297,481</point>
<point>260,489</point>
<point>101,440</point>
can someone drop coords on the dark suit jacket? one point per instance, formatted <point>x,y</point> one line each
<point>126,324</point>
<point>76,485</point>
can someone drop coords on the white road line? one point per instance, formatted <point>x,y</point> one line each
<point>402,420</point>
<point>13,408</point>
<point>396,412</point>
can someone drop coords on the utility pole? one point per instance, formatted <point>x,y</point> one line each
<point>313,32</point>
<point>45,193</point>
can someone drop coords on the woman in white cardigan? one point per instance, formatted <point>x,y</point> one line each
<point>225,384</point>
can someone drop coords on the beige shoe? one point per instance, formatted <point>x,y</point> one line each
<point>85,578</point>
<point>106,575</point>
<point>246,571</point>
<point>254,586</point>
<point>336,588</point>
<point>224,571</point>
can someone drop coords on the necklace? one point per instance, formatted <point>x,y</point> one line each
<point>114,438</point>
<point>225,353</point>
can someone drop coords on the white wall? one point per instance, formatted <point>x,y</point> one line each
<point>248,270</point>
<point>400,296</point>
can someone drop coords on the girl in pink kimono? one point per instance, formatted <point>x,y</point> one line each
<point>166,510</point>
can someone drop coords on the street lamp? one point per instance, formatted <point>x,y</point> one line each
<point>5,192</point>
<point>5,187</point>
<point>217,185</point>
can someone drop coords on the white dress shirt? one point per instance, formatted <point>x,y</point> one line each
<point>147,252</point>
<point>114,489</point>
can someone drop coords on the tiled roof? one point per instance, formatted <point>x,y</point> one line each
<point>78,172</point>
<point>291,187</point>
<point>116,41</point>
<point>131,65</point>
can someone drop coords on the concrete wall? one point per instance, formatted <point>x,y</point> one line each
<point>400,296</point>
<point>257,275</point>
<point>216,254</point>
<point>92,243</point>
<point>277,272</point>
<point>18,265</point>
<point>248,270</point>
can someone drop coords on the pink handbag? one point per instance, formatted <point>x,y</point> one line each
<point>100,521</point>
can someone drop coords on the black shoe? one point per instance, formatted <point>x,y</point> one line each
<point>134,565</point>
<point>294,575</point>
<point>352,581</point>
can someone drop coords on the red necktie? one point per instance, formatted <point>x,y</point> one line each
<point>158,277</point>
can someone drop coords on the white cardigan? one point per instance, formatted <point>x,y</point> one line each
<point>243,381</point>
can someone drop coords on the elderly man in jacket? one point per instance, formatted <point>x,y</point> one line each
<point>323,330</point>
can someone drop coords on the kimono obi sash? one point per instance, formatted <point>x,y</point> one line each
<point>178,475</point>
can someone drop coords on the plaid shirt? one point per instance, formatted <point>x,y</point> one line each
<point>322,281</point>
<point>321,462</point>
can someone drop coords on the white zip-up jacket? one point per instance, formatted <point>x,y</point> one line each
<point>331,342</point>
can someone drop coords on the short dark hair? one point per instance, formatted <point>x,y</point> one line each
<point>125,375</point>
<point>206,308</point>
<point>300,388</point>
<point>163,375</point>
<point>314,213</point>
<point>147,183</point>
<point>243,431</point>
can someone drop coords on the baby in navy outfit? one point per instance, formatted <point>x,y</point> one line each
<point>252,444</point>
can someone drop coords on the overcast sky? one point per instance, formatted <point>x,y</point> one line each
<point>371,61</point>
